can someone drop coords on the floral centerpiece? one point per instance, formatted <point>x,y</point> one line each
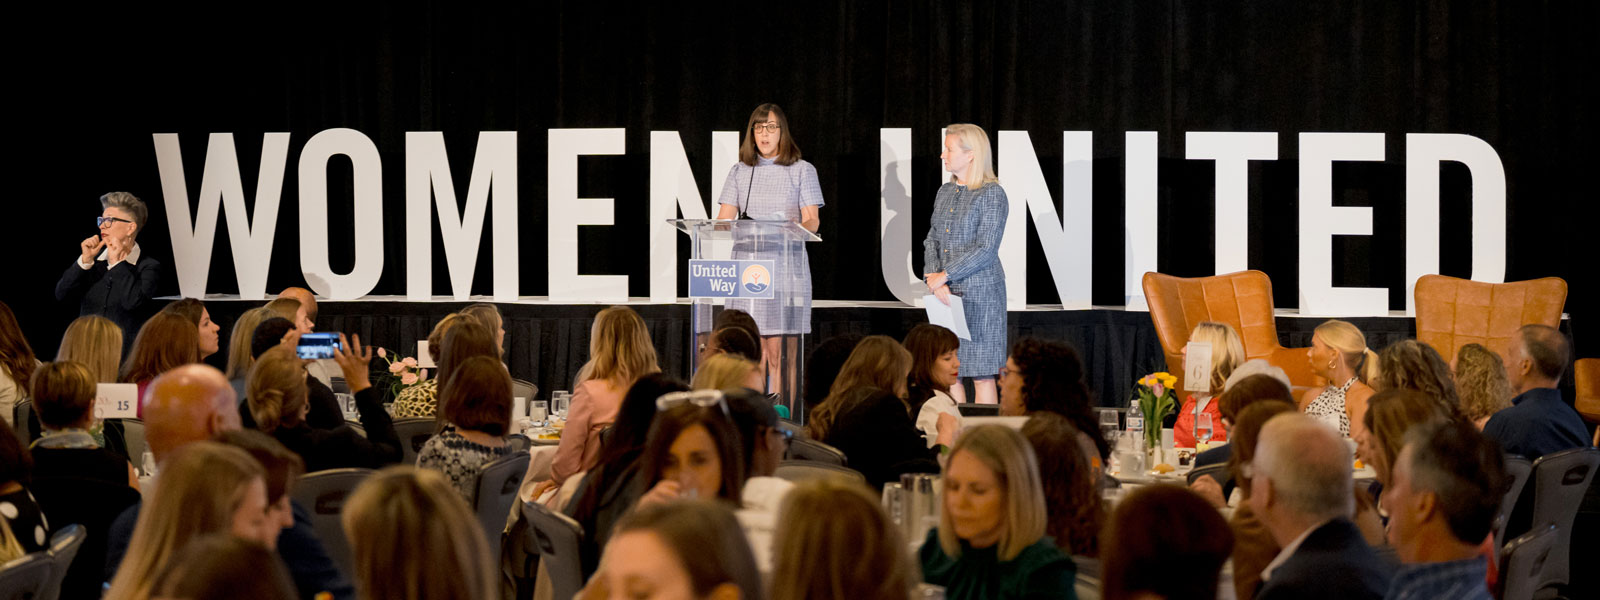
<point>1156,401</point>
<point>401,373</point>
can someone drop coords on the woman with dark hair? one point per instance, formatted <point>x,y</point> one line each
<point>678,550</point>
<point>866,418</point>
<point>16,363</point>
<point>223,567</point>
<point>1164,542</point>
<point>477,404</point>
<point>1044,376</point>
<point>1070,491</point>
<point>935,371</point>
<point>692,451</point>
<point>165,342</point>
<point>733,340</point>
<point>1416,366</point>
<point>195,311</point>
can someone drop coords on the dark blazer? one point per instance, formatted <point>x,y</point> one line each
<point>879,439</point>
<point>118,294</point>
<point>1333,562</point>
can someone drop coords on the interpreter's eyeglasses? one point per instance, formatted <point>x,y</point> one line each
<point>101,221</point>
<point>772,127</point>
<point>700,398</point>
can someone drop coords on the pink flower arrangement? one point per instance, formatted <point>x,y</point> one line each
<point>408,379</point>
<point>402,373</point>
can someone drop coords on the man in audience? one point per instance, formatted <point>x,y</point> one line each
<point>306,299</point>
<point>323,370</point>
<point>1301,485</point>
<point>1539,422</point>
<point>1442,498</point>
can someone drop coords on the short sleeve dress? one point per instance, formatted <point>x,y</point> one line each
<point>964,242</point>
<point>771,191</point>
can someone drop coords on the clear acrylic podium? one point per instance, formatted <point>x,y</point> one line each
<point>783,243</point>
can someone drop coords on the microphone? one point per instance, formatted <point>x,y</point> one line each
<point>749,185</point>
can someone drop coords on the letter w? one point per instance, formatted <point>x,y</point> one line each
<point>220,184</point>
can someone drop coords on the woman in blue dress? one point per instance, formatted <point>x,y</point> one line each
<point>961,254</point>
<point>770,182</point>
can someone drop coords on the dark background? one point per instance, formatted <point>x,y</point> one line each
<point>91,86</point>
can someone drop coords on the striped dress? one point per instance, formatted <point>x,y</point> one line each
<point>772,191</point>
<point>964,242</point>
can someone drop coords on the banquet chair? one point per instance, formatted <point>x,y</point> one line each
<point>792,427</point>
<point>322,494</point>
<point>1525,564</point>
<point>63,549</point>
<point>498,482</point>
<point>519,442</point>
<point>26,576</point>
<point>812,450</point>
<point>807,470</point>
<point>1560,481</point>
<point>1518,468</point>
<point>1242,300</point>
<point>555,537</point>
<point>526,390</point>
<point>20,415</point>
<point>1453,312</point>
<point>133,439</point>
<point>1586,384</point>
<point>973,409</point>
<point>413,433</point>
<point>93,505</point>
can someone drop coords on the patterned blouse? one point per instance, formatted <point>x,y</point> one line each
<point>460,460</point>
<point>1329,407</point>
<point>420,400</point>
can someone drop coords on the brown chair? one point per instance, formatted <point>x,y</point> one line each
<point>1452,312</point>
<point>1586,378</point>
<point>1242,299</point>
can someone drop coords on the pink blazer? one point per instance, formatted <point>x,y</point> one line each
<point>594,408</point>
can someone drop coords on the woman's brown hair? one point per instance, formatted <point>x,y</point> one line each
<point>788,151</point>
<point>620,349</point>
<point>94,342</point>
<point>277,389</point>
<point>165,342</point>
<point>1073,504</point>
<point>926,343</point>
<point>671,423</point>
<point>63,394</point>
<point>1481,382</point>
<point>219,566</point>
<point>1414,365</point>
<point>877,362</point>
<point>1393,412</point>
<point>855,552</point>
<point>413,537</point>
<point>1166,541</point>
<point>707,540</point>
<point>464,341</point>
<point>16,356</point>
<point>478,396</point>
<point>281,467</point>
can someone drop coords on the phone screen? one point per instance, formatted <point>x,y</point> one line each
<point>318,345</point>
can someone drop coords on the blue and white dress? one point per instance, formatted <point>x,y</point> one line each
<point>770,191</point>
<point>964,242</point>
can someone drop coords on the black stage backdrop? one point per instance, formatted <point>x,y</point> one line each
<point>92,86</point>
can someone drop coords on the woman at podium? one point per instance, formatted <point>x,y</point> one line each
<point>770,182</point>
<point>961,254</point>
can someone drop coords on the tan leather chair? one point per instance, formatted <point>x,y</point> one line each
<point>1586,378</point>
<point>1453,312</point>
<point>1242,299</point>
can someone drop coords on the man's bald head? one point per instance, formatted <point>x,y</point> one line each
<point>188,404</point>
<point>306,298</point>
<point>1308,465</point>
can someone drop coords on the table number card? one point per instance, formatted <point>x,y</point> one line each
<point>116,401</point>
<point>424,360</point>
<point>1197,367</point>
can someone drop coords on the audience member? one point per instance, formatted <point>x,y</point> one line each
<point>732,339</point>
<point>421,400</point>
<point>1539,421</point>
<point>223,567</point>
<point>307,300</point>
<point>489,316</point>
<point>325,411</point>
<point>991,541</point>
<point>1482,383</point>
<point>935,374</point>
<point>322,370</point>
<point>1413,365</point>
<point>855,552</point>
<point>111,278</point>
<point>682,549</point>
<point>1390,414</point>
<point>1253,546</point>
<point>205,488</point>
<point>165,342</point>
<point>1445,490</point>
<point>1300,490</point>
<point>1227,353</point>
<point>293,310</point>
<point>762,445</point>
<point>620,352</point>
<point>866,419</point>
<point>726,372</point>
<point>412,536</point>
<point>63,399</point>
<point>241,354</point>
<point>822,368</point>
<point>477,404</point>
<point>1164,542</point>
<point>1340,355</point>
<point>733,317</point>
<point>278,404</point>
<point>877,362</point>
<point>1239,394</point>
<point>692,451</point>
<point>1045,376</point>
<point>1071,493</point>
<point>16,363</point>
<point>23,527</point>
<point>94,342</point>
<point>196,313</point>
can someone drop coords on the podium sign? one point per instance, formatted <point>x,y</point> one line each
<point>731,279</point>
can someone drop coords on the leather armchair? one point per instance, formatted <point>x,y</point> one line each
<point>1453,312</point>
<point>1586,378</point>
<point>1242,299</point>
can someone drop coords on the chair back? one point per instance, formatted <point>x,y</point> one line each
<point>1220,473</point>
<point>1518,469</point>
<point>498,483</point>
<point>93,504</point>
<point>20,414</point>
<point>973,409</point>
<point>413,433</point>
<point>527,390</point>
<point>133,438</point>
<point>812,450</point>
<point>792,427</point>
<point>64,546</point>
<point>555,537</point>
<point>1524,563</point>
<point>1453,312</point>
<point>519,442</point>
<point>1560,481</point>
<point>805,470</point>
<point>1242,300</point>
<point>26,576</point>
<point>1586,388</point>
<point>322,494</point>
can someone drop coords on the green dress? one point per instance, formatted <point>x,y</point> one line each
<point>1039,571</point>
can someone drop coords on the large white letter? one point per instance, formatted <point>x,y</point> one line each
<point>1068,241</point>
<point>1320,220</point>
<point>1233,151</point>
<point>1424,152</point>
<point>673,189</point>
<point>220,184</point>
<point>494,170</point>
<point>1140,231</point>
<point>367,184</point>
<point>568,211</point>
<point>894,216</point>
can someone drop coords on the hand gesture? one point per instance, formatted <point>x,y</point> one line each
<point>943,294</point>
<point>1207,487</point>
<point>353,360</point>
<point>665,491</point>
<point>937,280</point>
<point>90,248</point>
<point>947,427</point>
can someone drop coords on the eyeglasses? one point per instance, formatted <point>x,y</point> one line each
<point>788,436</point>
<point>101,221</point>
<point>772,127</point>
<point>700,398</point>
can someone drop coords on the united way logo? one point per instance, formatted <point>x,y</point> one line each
<point>756,279</point>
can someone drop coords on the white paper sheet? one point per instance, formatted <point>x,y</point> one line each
<point>951,316</point>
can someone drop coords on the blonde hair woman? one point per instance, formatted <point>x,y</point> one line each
<point>1227,353</point>
<point>244,332</point>
<point>726,371</point>
<point>412,537</point>
<point>856,552</point>
<point>619,352</point>
<point>94,342</point>
<point>992,518</point>
<point>205,488</point>
<point>1481,382</point>
<point>1340,355</point>
<point>961,254</point>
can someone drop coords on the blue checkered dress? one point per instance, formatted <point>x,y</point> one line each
<point>964,242</point>
<point>773,191</point>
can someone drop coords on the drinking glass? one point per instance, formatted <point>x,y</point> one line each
<point>1130,453</point>
<point>563,403</point>
<point>1202,428</point>
<point>540,411</point>
<point>147,463</point>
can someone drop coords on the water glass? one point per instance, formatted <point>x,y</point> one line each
<point>347,403</point>
<point>147,463</point>
<point>1202,428</point>
<point>563,403</point>
<point>1130,453</point>
<point>540,411</point>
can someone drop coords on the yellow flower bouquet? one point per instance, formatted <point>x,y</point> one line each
<point>1156,400</point>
